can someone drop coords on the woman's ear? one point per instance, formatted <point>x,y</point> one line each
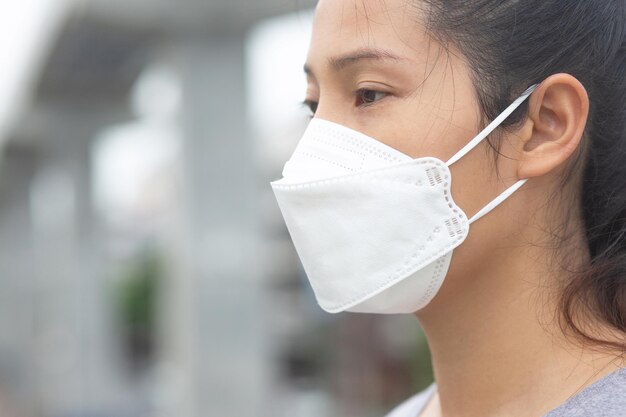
<point>557,111</point>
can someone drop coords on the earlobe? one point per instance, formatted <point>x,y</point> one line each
<point>558,111</point>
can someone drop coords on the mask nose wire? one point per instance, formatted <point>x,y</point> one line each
<point>479,138</point>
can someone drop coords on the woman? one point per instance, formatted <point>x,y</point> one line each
<point>387,193</point>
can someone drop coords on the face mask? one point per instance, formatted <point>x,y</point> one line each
<point>373,227</point>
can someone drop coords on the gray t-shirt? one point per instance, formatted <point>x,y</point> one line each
<point>604,398</point>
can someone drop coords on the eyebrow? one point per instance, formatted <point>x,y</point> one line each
<point>342,61</point>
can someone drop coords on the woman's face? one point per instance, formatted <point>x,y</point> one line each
<point>372,67</point>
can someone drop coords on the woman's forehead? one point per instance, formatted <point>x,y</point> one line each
<point>341,27</point>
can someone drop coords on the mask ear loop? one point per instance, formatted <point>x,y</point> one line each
<point>492,126</point>
<point>496,201</point>
<point>479,138</point>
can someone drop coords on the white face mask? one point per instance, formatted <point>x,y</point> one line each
<point>373,227</point>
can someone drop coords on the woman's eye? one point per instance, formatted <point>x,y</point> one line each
<point>312,105</point>
<point>365,96</point>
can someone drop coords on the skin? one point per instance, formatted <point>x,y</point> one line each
<point>496,347</point>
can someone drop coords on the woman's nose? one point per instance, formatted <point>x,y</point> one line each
<point>331,109</point>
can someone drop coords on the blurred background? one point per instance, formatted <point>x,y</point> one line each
<point>145,269</point>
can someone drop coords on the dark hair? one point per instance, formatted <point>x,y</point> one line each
<point>512,44</point>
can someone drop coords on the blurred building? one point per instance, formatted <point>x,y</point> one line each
<point>145,269</point>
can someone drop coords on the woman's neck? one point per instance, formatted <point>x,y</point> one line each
<point>495,343</point>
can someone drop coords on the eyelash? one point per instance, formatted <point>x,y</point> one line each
<point>311,105</point>
<point>359,96</point>
<point>366,102</point>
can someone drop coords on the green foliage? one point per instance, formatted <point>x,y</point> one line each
<point>421,365</point>
<point>137,291</point>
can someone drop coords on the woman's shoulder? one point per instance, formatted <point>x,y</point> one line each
<point>604,398</point>
<point>412,406</point>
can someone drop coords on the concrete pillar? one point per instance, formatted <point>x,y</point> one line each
<point>17,283</point>
<point>217,281</point>
<point>74,345</point>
